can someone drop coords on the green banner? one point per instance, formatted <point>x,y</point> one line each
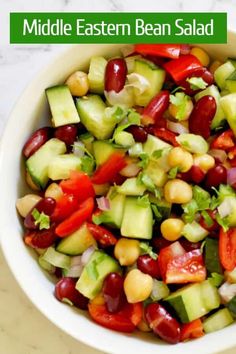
<point>118,27</point>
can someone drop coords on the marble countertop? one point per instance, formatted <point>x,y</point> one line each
<point>23,330</point>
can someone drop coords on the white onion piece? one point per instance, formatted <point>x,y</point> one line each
<point>130,170</point>
<point>87,254</point>
<point>76,261</point>
<point>177,249</point>
<point>75,271</point>
<point>219,155</point>
<point>177,127</point>
<point>103,203</point>
<point>78,149</point>
<point>227,291</point>
<point>124,98</point>
<point>137,81</point>
<point>231,176</point>
<point>226,207</point>
<point>127,50</point>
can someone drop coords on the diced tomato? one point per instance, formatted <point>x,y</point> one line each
<point>123,321</point>
<point>186,268</point>
<point>191,330</point>
<point>166,135</point>
<point>109,169</point>
<point>224,141</point>
<point>102,235</point>
<point>65,206</point>
<point>227,248</point>
<point>167,254</point>
<point>79,185</point>
<point>163,50</point>
<point>182,67</point>
<point>75,220</point>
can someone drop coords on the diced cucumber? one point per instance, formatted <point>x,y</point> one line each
<point>195,144</point>
<point>152,144</point>
<point>231,82</point>
<point>194,301</point>
<point>46,265</point>
<point>124,139</point>
<point>131,187</point>
<point>96,74</point>
<point>37,164</point>
<point>231,305</point>
<point>229,203</point>
<point>159,290</point>
<point>161,208</point>
<point>218,320</point>
<point>76,243</point>
<point>135,150</point>
<point>222,73</point>
<point>219,116</point>
<point>194,232</point>
<point>154,75</point>
<point>228,104</point>
<point>212,260</point>
<point>103,150</point>
<point>62,106</point>
<point>231,276</point>
<point>91,109</point>
<point>232,61</point>
<point>137,219</point>
<point>87,139</point>
<point>130,62</point>
<point>91,280</point>
<point>157,174</point>
<point>61,166</point>
<point>57,259</point>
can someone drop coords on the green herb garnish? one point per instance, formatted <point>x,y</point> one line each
<point>41,219</point>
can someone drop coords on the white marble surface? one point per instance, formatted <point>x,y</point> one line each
<point>23,330</point>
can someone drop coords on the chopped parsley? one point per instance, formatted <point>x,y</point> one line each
<point>197,83</point>
<point>173,172</point>
<point>180,100</point>
<point>143,201</point>
<point>146,249</point>
<point>41,219</point>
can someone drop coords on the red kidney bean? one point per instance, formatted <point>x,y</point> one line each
<point>162,323</point>
<point>36,140</point>
<point>65,289</point>
<point>46,205</point>
<point>113,292</point>
<point>189,246</point>
<point>160,242</point>
<point>66,133</point>
<point>40,238</point>
<point>159,61</point>
<point>205,74</point>
<point>156,108</point>
<point>202,115</point>
<point>214,226</point>
<point>115,75</point>
<point>139,133</point>
<point>195,174</point>
<point>148,265</point>
<point>215,176</point>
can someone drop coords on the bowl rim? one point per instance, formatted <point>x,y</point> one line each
<point>98,344</point>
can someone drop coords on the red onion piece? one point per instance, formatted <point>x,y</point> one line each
<point>231,177</point>
<point>87,254</point>
<point>185,49</point>
<point>103,203</point>
<point>177,127</point>
<point>218,154</point>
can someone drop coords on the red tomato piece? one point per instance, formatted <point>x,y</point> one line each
<point>191,330</point>
<point>224,141</point>
<point>79,185</point>
<point>186,268</point>
<point>155,109</point>
<point>163,50</point>
<point>75,220</point>
<point>182,67</point>
<point>167,254</point>
<point>102,235</point>
<point>227,248</point>
<point>166,135</point>
<point>65,206</point>
<point>109,169</point>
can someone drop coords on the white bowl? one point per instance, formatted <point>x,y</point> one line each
<point>30,112</point>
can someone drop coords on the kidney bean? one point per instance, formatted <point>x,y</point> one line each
<point>156,108</point>
<point>215,176</point>
<point>40,238</point>
<point>45,205</point>
<point>160,242</point>
<point>36,140</point>
<point>113,292</point>
<point>139,133</point>
<point>189,246</point>
<point>66,133</point>
<point>195,174</point>
<point>202,115</point>
<point>205,74</point>
<point>162,323</point>
<point>65,289</point>
<point>115,75</point>
<point>148,265</point>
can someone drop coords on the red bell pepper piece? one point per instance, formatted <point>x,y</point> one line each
<point>109,169</point>
<point>79,185</point>
<point>182,67</point>
<point>75,220</point>
<point>155,109</point>
<point>123,321</point>
<point>167,254</point>
<point>162,50</point>
<point>102,235</point>
<point>224,141</point>
<point>227,248</point>
<point>65,206</point>
<point>191,330</point>
<point>166,135</point>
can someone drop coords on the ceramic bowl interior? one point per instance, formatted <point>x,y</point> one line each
<point>31,112</point>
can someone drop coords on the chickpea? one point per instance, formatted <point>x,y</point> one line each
<point>54,191</point>
<point>137,286</point>
<point>31,183</point>
<point>215,65</point>
<point>181,158</point>
<point>127,251</point>
<point>173,110</point>
<point>171,229</point>
<point>78,83</point>
<point>101,189</point>
<point>25,204</point>
<point>98,300</point>
<point>177,191</point>
<point>204,161</point>
<point>201,55</point>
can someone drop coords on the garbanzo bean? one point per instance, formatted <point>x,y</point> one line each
<point>127,251</point>
<point>173,110</point>
<point>215,65</point>
<point>54,191</point>
<point>171,229</point>
<point>30,182</point>
<point>181,158</point>
<point>201,55</point>
<point>204,161</point>
<point>177,191</point>
<point>137,286</point>
<point>78,83</point>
